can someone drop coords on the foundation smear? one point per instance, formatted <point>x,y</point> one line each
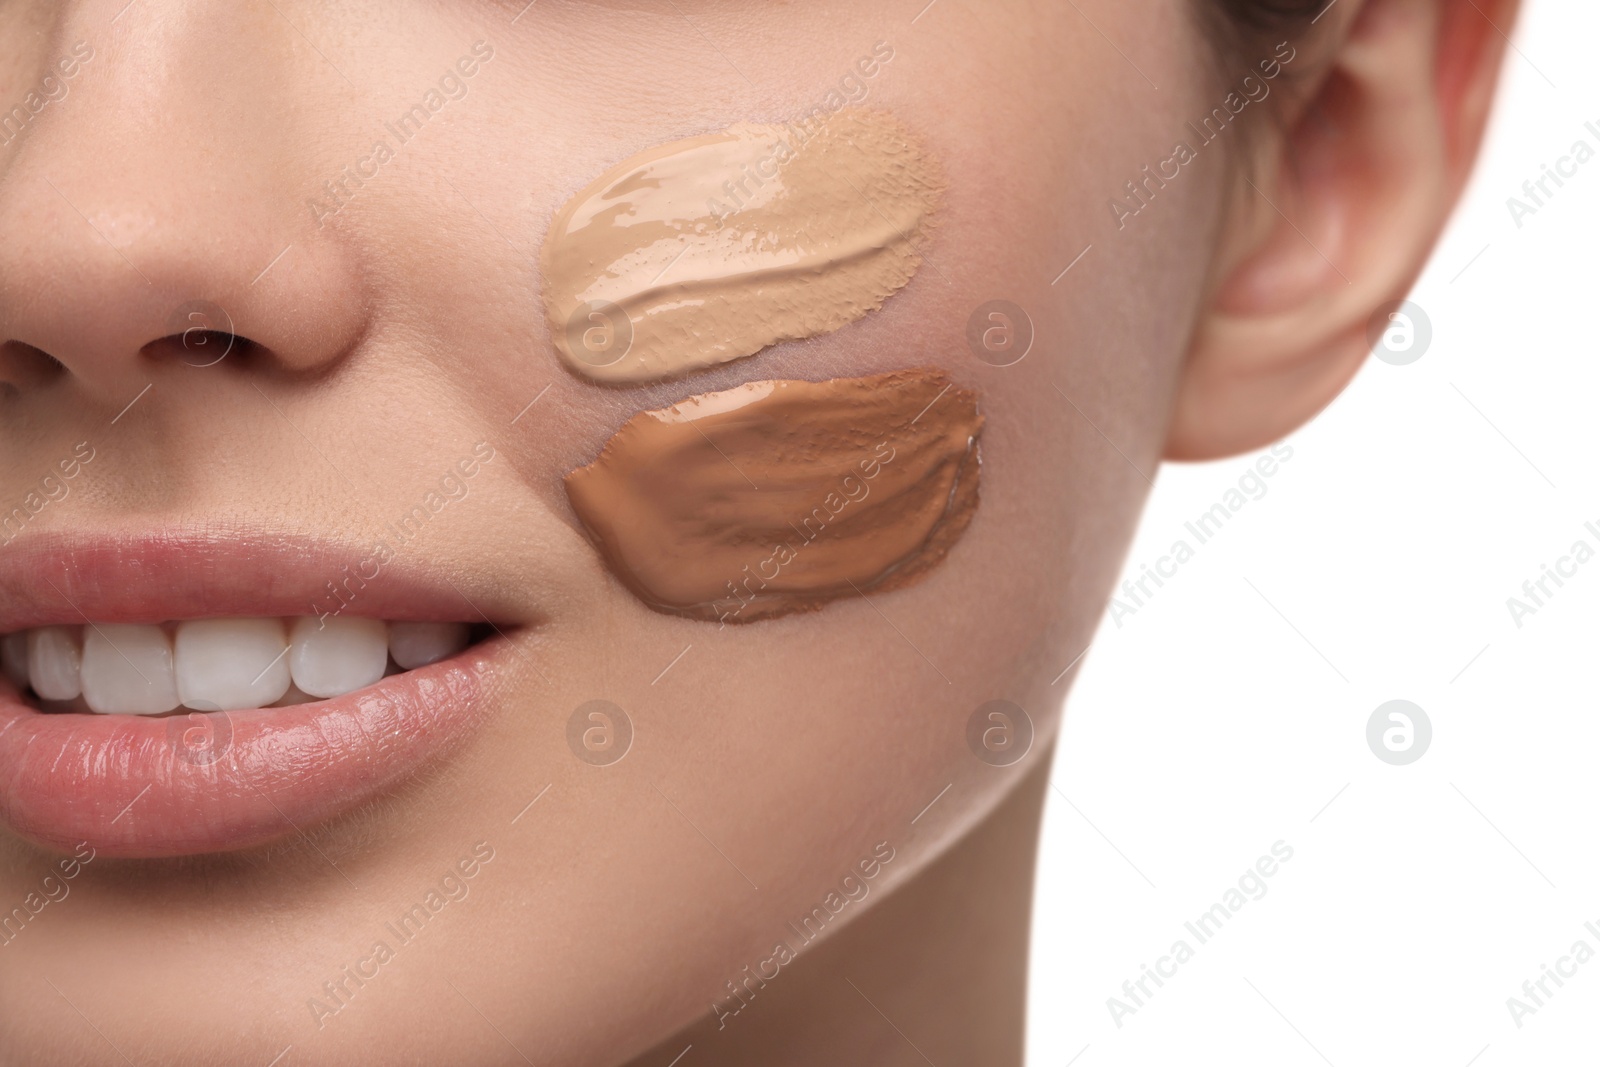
<point>779,496</point>
<point>710,249</point>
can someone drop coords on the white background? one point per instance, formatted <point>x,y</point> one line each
<point>1230,711</point>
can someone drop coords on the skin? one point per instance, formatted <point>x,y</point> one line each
<point>771,758</point>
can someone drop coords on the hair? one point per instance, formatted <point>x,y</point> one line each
<point>1270,13</point>
<point>1239,28</point>
<point>1241,32</point>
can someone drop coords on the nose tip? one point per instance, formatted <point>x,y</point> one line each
<point>128,223</point>
<point>104,279</point>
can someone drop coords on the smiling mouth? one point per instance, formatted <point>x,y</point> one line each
<point>197,691</point>
<point>227,664</point>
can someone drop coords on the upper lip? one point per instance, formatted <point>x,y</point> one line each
<point>58,579</point>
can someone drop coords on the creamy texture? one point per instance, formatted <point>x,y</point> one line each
<point>709,249</point>
<point>779,496</point>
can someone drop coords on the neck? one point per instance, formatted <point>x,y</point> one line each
<point>935,973</point>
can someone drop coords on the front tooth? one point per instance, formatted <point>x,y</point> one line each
<point>417,644</point>
<point>231,664</point>
<point>127,669</point>
<point>14,658</point>
<point>54,656</point>
<point>337,655</point>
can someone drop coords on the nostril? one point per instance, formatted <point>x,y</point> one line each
<point>200,347</point>
<point>201,334</point>
<point>23,366</point>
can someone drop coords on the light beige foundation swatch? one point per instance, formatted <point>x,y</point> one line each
<point>710,249</point>
<point>779,496</point>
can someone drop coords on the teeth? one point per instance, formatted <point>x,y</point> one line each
<point>14,658</point>
<point>54,656</point>
<point>231,664</point>
<point>417,644</point>
<point>128,669</point>
<point>333,656</point>
<point>216,664</point>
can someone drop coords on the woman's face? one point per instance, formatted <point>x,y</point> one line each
<point>199,160</point>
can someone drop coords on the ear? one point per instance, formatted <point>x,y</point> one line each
<point>1335,212</point>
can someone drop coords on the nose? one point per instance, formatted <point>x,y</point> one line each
<point>136,211</point>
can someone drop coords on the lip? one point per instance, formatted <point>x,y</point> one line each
<point>139,787</point>
<point>218,571</point>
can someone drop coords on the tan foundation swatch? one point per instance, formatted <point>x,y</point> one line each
<point>779,496</point>
<point>709,249</point>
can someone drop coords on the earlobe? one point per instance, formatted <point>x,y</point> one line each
<point>1339,216</point>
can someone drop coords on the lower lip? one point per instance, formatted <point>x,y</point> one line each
<point>140,787</point>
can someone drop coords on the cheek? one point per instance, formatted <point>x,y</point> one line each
<point>812,705</point>
<point>775,754</point>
